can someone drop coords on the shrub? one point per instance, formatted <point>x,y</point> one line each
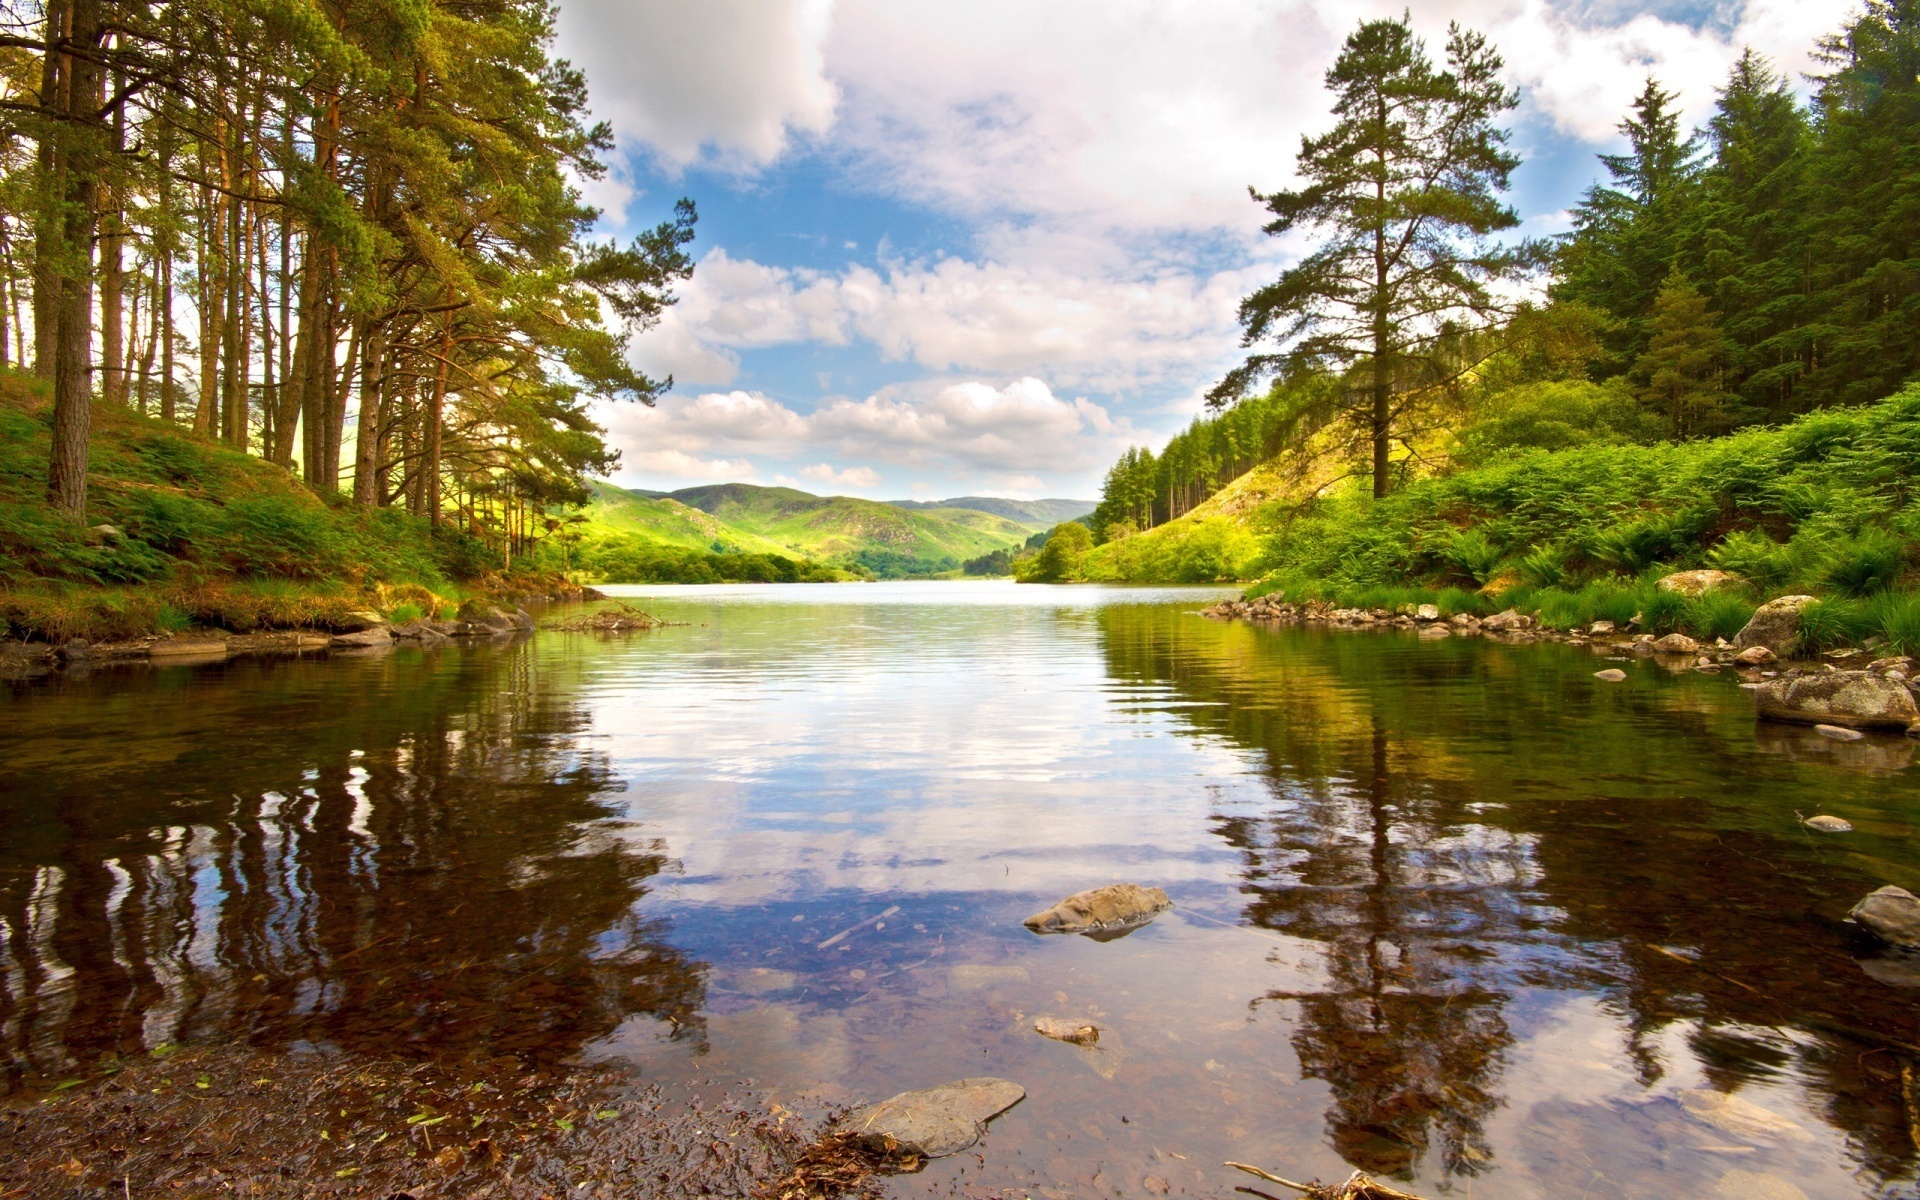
<point>1661,612</point>
<point>1864,564</point>
<point>406,612</point>
<point>1472,553</point>
<point>1836,621</point>
<point>1719,613</point>
<point>1754,556</point>
<point>1545,567</point>
<point>1898,616</point>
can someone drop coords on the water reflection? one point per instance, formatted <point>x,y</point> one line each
<point>1457,837</point>
<point>412,855</point>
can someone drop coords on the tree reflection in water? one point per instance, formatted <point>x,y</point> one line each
<point>414,856</point>
<point>1457,824</point>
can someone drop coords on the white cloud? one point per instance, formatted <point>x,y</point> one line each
<point>964,429</point>
<point>720,81</point>
<point>678,464</point>
<point>852,477</point>
<point>1110,332</point>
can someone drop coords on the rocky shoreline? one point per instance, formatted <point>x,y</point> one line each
<point>356,631</point>
<point>1847,689</point>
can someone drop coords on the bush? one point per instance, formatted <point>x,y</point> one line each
<point>1867,563</point>
<point>1899,619</point>
<point>1719,613</point>
<point>1754,556</point>
<point>1473,554</point>
<point>1545,567</point>
<point>1835,622</point>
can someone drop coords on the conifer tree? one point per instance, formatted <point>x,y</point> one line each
<point>1405,191</point>
<point>1864,208</point>
<point>1749,238</point>
<point>1681,371</point>
<point>1627,236</point>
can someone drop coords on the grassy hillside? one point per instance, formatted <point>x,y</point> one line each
<point>865,536</point>
<point>182,531</point>
<point>1828,505</point>
<point>665,520</point>
<point>1034,514</point>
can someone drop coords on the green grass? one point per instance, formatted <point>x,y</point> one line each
<point>200,535</point>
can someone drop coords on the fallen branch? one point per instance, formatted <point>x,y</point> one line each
<point>1359,1186</point>
<point>848,932</point>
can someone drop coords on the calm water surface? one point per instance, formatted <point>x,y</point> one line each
<point>1447,911</point>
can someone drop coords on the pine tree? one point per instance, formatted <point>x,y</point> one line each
<point>1405,189</point>
<point>1750,240</point>
<point>1864,209</point>
<point>1627,236</point>
<point>1681,371</point>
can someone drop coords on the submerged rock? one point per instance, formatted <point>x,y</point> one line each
<point>1854,699</point>
<point>1775,625</point>
<point>1752,1185</point>
<point>1102,913</point>
<point>937,1121</point>
<point>971,977</point>
<point>1611,675</point>
<point>1838,734</point>
<point>1062,1030</point>
<point>1827,824</point>
<point>1740,1117</point>
<point>1891,914</point>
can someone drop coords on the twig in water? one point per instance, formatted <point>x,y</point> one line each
<point>846,933</point>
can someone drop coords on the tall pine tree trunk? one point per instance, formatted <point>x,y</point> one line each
<point>80,165</point>
<point>366,439</point>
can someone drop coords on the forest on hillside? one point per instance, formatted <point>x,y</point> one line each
<point>1761,267</point>
<point>342,236</point>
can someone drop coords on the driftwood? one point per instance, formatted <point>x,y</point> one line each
<point>1358,1186</point>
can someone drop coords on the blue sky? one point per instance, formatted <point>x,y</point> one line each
<point>963,249</point>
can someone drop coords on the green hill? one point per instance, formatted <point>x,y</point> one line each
<point>866,536</point>
<point>1034,514</point>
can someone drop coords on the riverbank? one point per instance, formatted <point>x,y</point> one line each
<point>235,1120</point>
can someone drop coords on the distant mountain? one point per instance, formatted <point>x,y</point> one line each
<point>887,539</point>
<point>1040,514</point>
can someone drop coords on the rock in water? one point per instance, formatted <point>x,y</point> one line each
<point>1755,656</point>
<point>1677,643</point>
<point>1740,1117</point>
<point>1611,675</point>
<point>1854,699</point>
<point>1838,734</point>
<point>1775,625</point>
<point>1891,914</point>
<point>1751,1185</point>
<point>937,1121</point>
<point>1826,824</point>
<point>1106,912</point>
<point>376,636</point>
<point>1061,1030</point>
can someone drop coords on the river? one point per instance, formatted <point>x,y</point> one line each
<point>1447,911</point>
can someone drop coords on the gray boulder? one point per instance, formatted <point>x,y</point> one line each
<point>1851,699</point>
<point>376,636</point>
<point>934,1122</point>
<point>1775,625</point>
<point>1102,913</point>
<point>1891,914</point>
